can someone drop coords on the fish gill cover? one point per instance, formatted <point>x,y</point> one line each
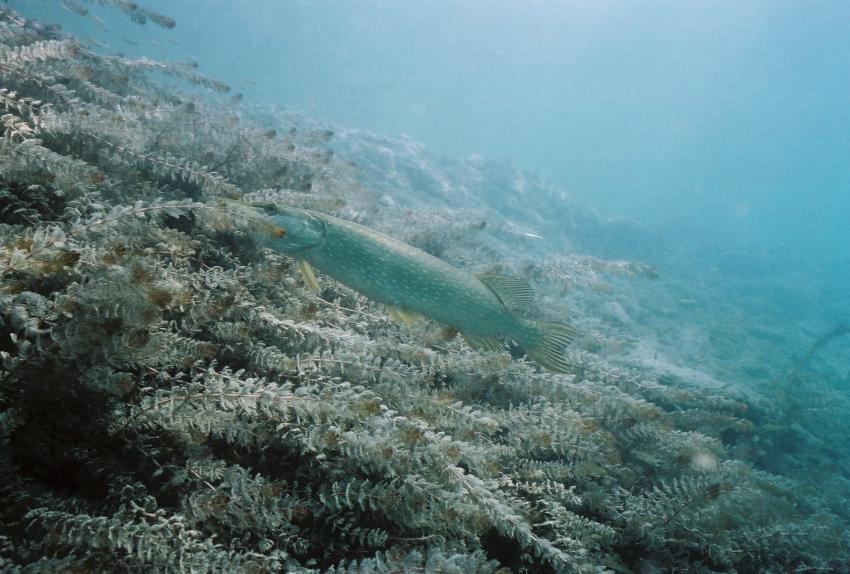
<point>173,398</point>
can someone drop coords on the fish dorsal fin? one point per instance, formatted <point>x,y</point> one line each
<point>308,276</point>
<point>402,317</point>
<point>511,291</point>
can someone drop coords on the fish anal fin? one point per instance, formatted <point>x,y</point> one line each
<point>309,276</point>
<point>402,317</point>
<point>483,343</point>
<point>511,291</point>
<point>549,349</point>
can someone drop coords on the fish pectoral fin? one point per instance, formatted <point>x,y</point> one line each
<point>484,343</point>
<point>402,317</point>
<point>511,291</point>
<point>309,277</point>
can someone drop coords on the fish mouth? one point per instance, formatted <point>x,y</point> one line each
<point>251,216</point>
<point>271,229</point>
<point>268,227</point>
<point>295,230</point>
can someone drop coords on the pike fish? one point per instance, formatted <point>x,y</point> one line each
<point>411,282</point>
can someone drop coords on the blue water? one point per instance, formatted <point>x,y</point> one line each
<point>726,124</point>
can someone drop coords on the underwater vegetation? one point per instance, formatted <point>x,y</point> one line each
<point>175,398</point>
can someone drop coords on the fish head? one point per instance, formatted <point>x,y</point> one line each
<point>296,230</point>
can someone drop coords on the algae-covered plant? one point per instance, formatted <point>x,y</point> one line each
<point>173,398</point>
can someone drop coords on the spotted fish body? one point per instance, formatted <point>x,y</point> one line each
<point>395,273</point>
<point>392,272</point>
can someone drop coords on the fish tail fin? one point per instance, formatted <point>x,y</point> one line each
<point>548,349</point>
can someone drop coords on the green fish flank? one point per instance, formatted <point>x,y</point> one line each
<point>392,272</point>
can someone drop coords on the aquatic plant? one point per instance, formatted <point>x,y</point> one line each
<point>173,397</point>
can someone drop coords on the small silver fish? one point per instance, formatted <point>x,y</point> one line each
<point>412,282</point>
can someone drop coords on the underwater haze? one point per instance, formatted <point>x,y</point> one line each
<point>724,126</point>
<point>732,115</point>
<point>267,271</point>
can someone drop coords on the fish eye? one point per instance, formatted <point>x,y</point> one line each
<point>270,209</point>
